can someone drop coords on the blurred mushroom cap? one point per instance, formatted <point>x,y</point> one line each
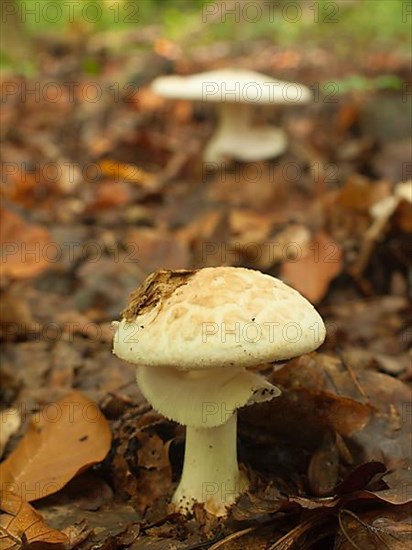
<point>231,86</point>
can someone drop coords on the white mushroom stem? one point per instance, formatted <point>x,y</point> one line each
<point>205,401</point>
<point>210,471</point>
<point>236,137</point>
<point>235,118</point>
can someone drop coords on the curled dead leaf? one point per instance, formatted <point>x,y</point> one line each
<point>62,440</point>
<point>21,524</point>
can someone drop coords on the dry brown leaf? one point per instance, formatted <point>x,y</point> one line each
<point>154,469</point>
<point>15,316</point>
<point>147,100</point>
<point>386,528</point>
<point>24,253</point>
<point>403,217</point>
<point>247,225</point>
<point>62,440</point>
<point>153,249</point>
<point>356,194</point>
<point>21,524</point>
<point>347,116</point>
<point>206,236</point>
<point>10,421</point>
<point>399,487</point>
<point>32,189</point>
<point>77,533</point>
<point>322,480</point>
<point>109,194</point>
<point>140,461</point>
<point>126,172</point>
<point>312,272</point>
<point>254,185</point>
<point>303,533</point>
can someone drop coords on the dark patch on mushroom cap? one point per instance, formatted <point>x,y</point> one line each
<point>157,287</point>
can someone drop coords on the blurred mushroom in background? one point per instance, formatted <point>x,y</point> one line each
<point>236,91</point>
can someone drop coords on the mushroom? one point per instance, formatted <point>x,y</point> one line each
<point>193,335</point>
<point>236,91</point>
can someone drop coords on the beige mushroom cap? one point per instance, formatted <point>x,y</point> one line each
<point>231,86</point>
<point>216,317</point>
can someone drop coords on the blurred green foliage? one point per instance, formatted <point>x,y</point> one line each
<point>283,21</point>
<point>361,83</point>
<point>346,27</point>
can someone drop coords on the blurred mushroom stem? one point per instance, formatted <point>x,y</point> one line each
<point>210,471</point>
<point>237,138</point>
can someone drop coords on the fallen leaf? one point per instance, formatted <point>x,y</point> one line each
<point>360,477</point>
<point>368,409</point>
<point>305,533</point>
<point>147,100</point>
<point>77,533</point>
<point>15,316</point>
<point>154,468</point>
<point>323,468</point>
<point>290,430</point>
<point>312,272</point>
<point>206,236</point>
<point>22,525</point>
<point>347,116</point>
<point>403,216</point>
<point>126,172</point>
<point>141,466</point>
<point>324,383</point>
<point>356,194</point>
<point>62,440</point>
<point>247,225</point>
<point>23,247</point>
<point>399,488</point>
<point>382,528</point>
<point>156,248</point>
<point>252,185</point>
<point>109,194</point>
<point>10,421</point>
<point>33,189</point>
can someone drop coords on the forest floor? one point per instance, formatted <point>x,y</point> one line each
<point>104,183</point>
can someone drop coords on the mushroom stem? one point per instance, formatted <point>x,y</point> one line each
<point>210,471</point>
<point>234,118</point>
<point>236,137</point>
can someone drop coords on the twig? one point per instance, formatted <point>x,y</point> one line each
<point>233,536</point>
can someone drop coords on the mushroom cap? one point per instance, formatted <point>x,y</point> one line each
<point>215,317</point>
<point>231,86</point>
